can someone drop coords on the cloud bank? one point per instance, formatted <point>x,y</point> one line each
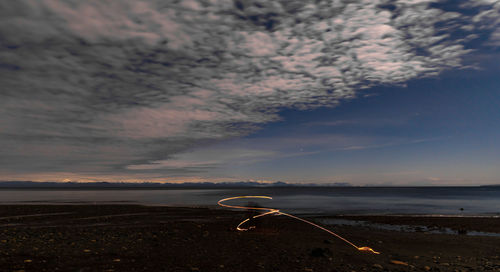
<point>98,88</point>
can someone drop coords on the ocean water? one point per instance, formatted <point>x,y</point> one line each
<point>460,201</point>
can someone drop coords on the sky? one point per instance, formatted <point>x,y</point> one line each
<point>368,92</point>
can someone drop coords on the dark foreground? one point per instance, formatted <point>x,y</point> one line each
<point>137,238</point>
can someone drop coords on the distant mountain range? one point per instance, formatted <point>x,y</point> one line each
<point>150,185</point>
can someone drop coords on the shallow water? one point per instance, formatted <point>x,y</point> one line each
<point>301,200</point>
<point>404,228</point>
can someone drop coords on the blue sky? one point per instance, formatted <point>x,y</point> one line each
<point>434,131</point>
<point>370,92</point>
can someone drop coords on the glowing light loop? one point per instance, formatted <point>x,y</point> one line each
<point>271,211</point>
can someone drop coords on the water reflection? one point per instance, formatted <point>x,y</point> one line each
<point>349,200</point>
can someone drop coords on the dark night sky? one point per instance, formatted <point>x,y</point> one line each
<point>366,92</point>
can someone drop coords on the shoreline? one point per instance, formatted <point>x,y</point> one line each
<point>318,214</point>
<point>152,238</point>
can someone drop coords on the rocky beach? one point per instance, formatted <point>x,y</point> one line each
<point>149,238</point>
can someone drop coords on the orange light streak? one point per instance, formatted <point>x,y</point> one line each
<point>270,211</point>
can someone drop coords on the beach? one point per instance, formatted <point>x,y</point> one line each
<point>148,238</point>
<point>249,135</point>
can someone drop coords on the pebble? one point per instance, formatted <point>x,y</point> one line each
<point>320,252</point>
<point>427,268</point>
<point>378,266</point>
<point>399,262</point>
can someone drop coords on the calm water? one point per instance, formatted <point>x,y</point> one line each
<point>335,200</point>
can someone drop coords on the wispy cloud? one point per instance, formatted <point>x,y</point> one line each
<point>370,122</point>
<point>100,87</point>
<point>391,143</point>
<point>208,158</point>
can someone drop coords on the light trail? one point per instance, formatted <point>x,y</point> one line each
<point>270,211</point>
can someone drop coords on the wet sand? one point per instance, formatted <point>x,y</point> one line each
<point>139,238</point>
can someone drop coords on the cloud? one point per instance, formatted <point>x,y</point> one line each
<point>208,158</point>
<point>398,142</point>
<point>364,122</point>
<point>101,87</point>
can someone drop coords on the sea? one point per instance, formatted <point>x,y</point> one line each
<point>456,201</point>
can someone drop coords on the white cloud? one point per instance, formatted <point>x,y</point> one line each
<point>181,74</point>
